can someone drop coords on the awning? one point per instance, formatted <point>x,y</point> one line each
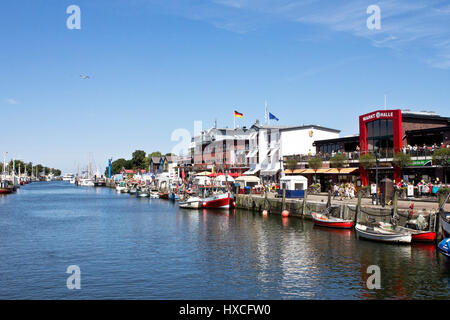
<point>272,151</point>
<point>272,170</point>
<point>296,171</point>
<point>342,171</point>
<point>253,171</point>
<point>313,171</point>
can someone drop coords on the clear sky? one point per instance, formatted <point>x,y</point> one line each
<point>156,66</point>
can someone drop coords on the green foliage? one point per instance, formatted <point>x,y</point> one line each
<point>338,161</point>
<point>441,157</point>
<point>367,161</point>
<point>402,160</point>
<point>291,164</point>
<point>315,163</point>
<point>138,159</point>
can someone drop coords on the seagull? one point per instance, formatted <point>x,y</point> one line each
<point>82,76</point>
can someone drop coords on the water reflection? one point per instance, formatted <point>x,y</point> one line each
<point>150,249</point>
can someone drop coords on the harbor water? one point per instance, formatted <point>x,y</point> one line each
<point>132,248</point>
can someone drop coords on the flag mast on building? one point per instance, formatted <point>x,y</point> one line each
<point>237,115</point>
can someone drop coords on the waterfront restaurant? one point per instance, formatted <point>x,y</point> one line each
<point>388,132</point>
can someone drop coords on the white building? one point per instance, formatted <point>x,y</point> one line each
<point>269,144</point>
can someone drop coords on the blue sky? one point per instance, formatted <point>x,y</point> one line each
<point>156,66</point>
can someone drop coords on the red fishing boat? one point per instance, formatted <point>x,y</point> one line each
<point>219,201</point>
<point>331,222</point>
<point>412,229</point>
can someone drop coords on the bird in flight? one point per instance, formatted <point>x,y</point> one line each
<point>82,76</point>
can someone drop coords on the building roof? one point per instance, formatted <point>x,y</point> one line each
<point>155,159</point>
<point>258,126</point>
<point>352,138</point>
<point>423,115</point>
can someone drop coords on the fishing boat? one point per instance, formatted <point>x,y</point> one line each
<point>412,229</point>
<point>331,222</point>
<point>6,187</point>
<point>219,201</point>
<point>379,234</point>
<point>191,203</point>
<point>444,247</point>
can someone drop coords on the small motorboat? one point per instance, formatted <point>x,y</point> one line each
<point>444,247</point>
<point>445,223</point>
<point>142,193</point>
<point>416,234</point>
<point>379,234</point>
<point>154,195</point>
<point>324,220</point>
<point>191,203</point>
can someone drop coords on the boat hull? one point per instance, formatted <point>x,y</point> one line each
<point>219,202</point>
<point>444,247</point>
<point>389,237</point>
<point>6,190</point>
<point>319,220</point>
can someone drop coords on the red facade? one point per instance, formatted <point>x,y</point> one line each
<point>364,120</point>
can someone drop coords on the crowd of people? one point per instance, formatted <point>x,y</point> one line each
<point>344,191</point>
<point>422,188</point>
<point>424,150</point>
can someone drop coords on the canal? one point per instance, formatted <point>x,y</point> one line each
<point>130,248</point>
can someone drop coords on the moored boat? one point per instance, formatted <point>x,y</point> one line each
<point>191,203</point>
<point>379,234</point>
<point>219,201</point>
<point>416,235</point>
<point>331,222</point>
<point>444,247</point>
<point>444,219</point>
<point>6,187</point>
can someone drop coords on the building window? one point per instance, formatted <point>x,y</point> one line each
<point>380,137</point>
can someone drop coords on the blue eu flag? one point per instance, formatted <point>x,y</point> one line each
<point>272,117</point>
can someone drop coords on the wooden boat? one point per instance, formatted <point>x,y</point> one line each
<point>379,234</point>
<point>219,201</point>
<point>164,195</point>
<point>331,222</point>
<point>444,247</point>
<point>416,235</point>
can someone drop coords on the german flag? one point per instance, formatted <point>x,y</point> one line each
<point>238,115</point>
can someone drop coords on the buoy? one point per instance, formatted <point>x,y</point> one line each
<point>285,214</point>
<point>265,213</point>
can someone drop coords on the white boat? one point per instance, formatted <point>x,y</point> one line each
<point>73,180</point>
<point>444,218</point>
<point>86,182</point>
<point>154,195</point>
<point>191,203</point>
<point>379,234</point>
<point>68,177</point>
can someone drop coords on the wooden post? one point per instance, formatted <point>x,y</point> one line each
<point>395,202</point>
<point>358,205</point>
<point>329,199</point>
<point>284,200</point>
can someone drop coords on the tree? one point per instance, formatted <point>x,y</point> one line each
<point>291,164</point>
<point>155,154</point>
<point>338,161</point>
<point>441,157</point>
<point>315,164</point>
<point>137,159</point>
<point>118,164</point>
<point>402,160</point>
<point>367,161</point>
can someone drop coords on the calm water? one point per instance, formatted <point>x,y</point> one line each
<point>129,248</point>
